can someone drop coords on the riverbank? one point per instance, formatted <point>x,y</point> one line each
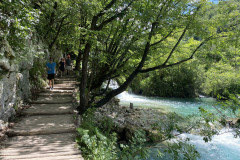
<point>116,131</point>
<point>127,120</point>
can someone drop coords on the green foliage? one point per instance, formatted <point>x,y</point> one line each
<point>18,19</point>
<point>182,150</point>
<point>208,128</point>
<point>180,81</point>
<point>38,74</point>
<point>221,79</point>
<point>96,140</point>
<point>230,106</point>
<point>136,149</point>
<point>94,143</point>
<point>173,123</point>
<point>230,113</point>
<point>226,114</point>
<point>96,146</point>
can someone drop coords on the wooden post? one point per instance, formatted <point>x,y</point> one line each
<point>131,105</point>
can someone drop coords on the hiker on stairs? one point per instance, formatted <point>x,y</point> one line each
<point>62,64</point>
<point>68,64</point>
<point>51,68</point>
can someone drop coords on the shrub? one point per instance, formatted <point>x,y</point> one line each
<point>96,144</point>
<point>37,75</point>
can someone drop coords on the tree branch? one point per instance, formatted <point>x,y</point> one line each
<point>179,40</point>
<point>58,32</point>
<point>51,21</point>
<point>179,62</point>
<point>162,39</point>
<point>108,6</point>
<point>120,14</point>
<point>175,46</point>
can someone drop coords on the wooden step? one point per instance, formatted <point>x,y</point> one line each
<point>52,100</point>
<point>63,88</point>
<point>44,156</point>
<point>55,94</point>
<point>39,140</point>
<point>56,91</point>
<point>42,125</point>
<point>59,81</point>
<point>49,109</point>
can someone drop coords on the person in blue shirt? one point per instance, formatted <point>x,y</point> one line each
<point>51,69</point>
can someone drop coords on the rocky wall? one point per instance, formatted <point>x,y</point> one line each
<point>14,82</point>
<point>8,85</point>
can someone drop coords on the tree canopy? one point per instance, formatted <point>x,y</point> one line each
<point>123,39</point>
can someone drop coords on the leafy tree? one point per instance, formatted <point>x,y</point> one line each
<point>177,81</point>
<point>142,37</point>
<point>17,22</point>
<point>221,79</point>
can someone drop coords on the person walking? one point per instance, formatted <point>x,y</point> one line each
<point>51,70</point>
<point>68,64</point>
<point>62,64</point>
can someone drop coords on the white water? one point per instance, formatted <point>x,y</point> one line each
<point>222,147</point>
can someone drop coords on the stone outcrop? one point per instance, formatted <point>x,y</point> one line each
<point>128,119</point>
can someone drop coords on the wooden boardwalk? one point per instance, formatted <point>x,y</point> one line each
<point>47,130</point>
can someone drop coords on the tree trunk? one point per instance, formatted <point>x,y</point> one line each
<point>78,60</point>
<point>84,78</point>
<point>117,91</point>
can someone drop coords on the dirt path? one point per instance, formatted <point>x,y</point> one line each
<point>47,129</point>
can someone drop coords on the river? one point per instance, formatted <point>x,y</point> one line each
<point>222,147</point>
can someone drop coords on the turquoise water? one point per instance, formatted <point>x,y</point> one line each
<point>182,106</point>
<point>222,147</point>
